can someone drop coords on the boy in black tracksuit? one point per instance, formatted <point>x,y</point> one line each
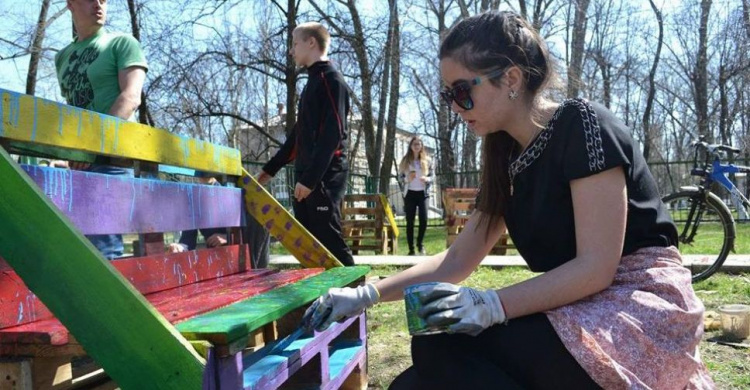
<point>318,143</point>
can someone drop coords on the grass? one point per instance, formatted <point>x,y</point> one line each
<point>711,236</point>
<point>389,339</point>
<point>434,242</point>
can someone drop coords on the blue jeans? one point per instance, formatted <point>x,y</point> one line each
<point>110,245</point>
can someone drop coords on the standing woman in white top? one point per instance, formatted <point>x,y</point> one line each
<point>415,173</point>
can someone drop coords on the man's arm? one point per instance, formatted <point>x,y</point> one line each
<point>286,154</point>
<point>131,81</point>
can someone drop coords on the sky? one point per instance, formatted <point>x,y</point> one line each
<point>20,13</point>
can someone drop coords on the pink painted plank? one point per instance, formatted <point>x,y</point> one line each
<point>18,305</point>
<point>176,304</point>
<point>106,204</point>
<point>4,265</point>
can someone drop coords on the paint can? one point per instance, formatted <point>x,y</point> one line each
<point>417,325</point>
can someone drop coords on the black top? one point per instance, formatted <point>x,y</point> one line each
<point>318,141</point>
<point>580,140</point>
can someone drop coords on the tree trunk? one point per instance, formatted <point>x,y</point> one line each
<point>648,135</point>
<point>291,68</point>
<point>36,48</point>
<point>143,114</point>
<point>383,106</point>
<point>360,50</point>
<point>746,16</point>
<point>447,157</point>
<point>700,73</point>
<point>577,48</point>
<point>724,106</point>
<point>395,61</point>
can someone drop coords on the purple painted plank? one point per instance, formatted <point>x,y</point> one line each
<point>106,204</point>
<point>229,371</point>
<point>209,373</point>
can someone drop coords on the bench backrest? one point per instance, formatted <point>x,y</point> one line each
<point>46,211</point>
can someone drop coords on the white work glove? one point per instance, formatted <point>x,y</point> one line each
<point>465,309</point>
<point>338,304</point>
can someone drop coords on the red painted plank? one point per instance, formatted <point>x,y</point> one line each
<point>164,271</point>
<point>176,304</point>
<point>49,331</point>
<point>106,204</point>
<point>18,305</point>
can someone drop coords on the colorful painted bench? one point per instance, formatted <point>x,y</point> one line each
<point>368,224</point>
<point>199,319</point>
<point>458,204</point>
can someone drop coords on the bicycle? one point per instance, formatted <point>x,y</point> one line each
<point>703,219</point>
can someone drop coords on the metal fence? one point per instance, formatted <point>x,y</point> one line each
<point>669,178</point>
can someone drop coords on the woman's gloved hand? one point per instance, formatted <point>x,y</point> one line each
<point>462,309</point>
<point>338,304</point>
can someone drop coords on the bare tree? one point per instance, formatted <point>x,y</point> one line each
<point>647,131</point>
<point>700,72</point>
<point>577,47</point>
<point>394,58</point>
<point>144,116</point>
<point>357,40</point>
<point>36,48</point>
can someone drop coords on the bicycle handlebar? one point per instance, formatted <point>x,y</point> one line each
<point>712,148</point>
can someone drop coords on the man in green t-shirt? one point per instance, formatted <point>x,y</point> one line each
<point>102,72</point>
<point>99,70</point>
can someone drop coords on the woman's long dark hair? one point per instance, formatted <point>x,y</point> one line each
<point>483,43</point>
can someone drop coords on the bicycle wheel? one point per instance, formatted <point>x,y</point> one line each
<point>704,226</point>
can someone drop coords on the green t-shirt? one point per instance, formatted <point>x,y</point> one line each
<point>87,70</point>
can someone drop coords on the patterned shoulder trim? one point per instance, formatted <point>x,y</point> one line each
<point>537,146</point>
<point>593,134</point>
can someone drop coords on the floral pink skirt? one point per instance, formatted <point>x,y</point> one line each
<point>643,331</point>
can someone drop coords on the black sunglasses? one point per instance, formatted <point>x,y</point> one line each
<point>461,93</point>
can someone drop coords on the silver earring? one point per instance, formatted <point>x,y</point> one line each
<point>512,95</point>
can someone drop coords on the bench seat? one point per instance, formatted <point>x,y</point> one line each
<point>175,305</point>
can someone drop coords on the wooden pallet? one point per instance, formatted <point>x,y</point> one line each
<point>459,204</point>
<point>368,224</point>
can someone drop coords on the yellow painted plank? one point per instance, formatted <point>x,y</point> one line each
<point>282,225</point>
<point>389,214</point>
<point>26,118</point>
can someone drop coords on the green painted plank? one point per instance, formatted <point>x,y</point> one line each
<point>34,120</point>
<point>111,320</point>
<point>226,324</point>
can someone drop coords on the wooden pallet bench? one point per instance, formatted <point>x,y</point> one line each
<point>198,319</point>
<point>458,204</point>
<point>368,224</point>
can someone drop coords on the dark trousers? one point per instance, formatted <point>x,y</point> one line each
<point>524,354</point>
<point>320,213</point>
<point>259,239</point>
<point>415,200</point>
